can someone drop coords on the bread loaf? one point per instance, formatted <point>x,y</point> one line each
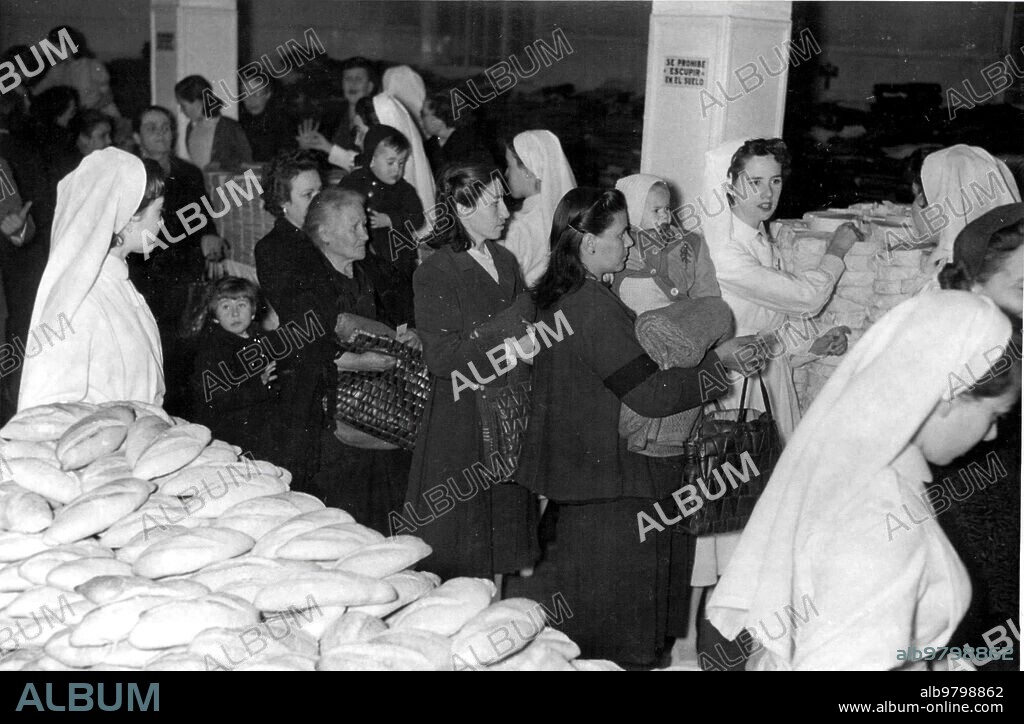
<point>35,599</point>
<point>178,622</point>
<point>159,511</point>
<point>193,479</point>
<point>289,504</point>
<point>45,479</point>
<point>46,450</point>
<point>18,546</point>
<point>141,434</point>
<point>25,512</point>
<point>143,409</point>
<point>327,543</point>
<point>497,632</point>
<point>249,569</point>
<point>45,422</point>
<point>326,588</point>
<point>254,526</point>
<point>97,510</point>
<point>104,470</point>
<point>123,654</point>
<point>93,436</point>
<point>191,551</point>
<point>231,647</point>
<point>351,628</point>
<point>285,662</point>
<point>113,621</point>
<point>447,608</point>
<point>107,589</point>
<point>130,552</point>
<point>535,657</point>
<point>11,581</point>
<point>59,647</point>
<point>269,544</point>
<point>385,558</point>
<point>435,648</point>
<point>176,661</point>
<point>75,573</point>
<point>172,450</point>
<point>216,499</point>
<point>410,585</point>
<point>37,567</point>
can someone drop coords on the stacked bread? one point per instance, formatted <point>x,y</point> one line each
<point>129,540</point>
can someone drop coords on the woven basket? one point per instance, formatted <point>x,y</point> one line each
<point>387,405</point>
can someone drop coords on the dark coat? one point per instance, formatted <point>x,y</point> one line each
<point>463,146</point>
<point>270,131</point>
<point>230,146</point>
<point>490,529</point>
<point>228,395</point>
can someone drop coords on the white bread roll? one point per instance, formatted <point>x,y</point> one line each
<point>435,648</point>
<point>97,510</point>
<point>148,408</point>
<point>214,453</point>
<point>208,479</point>
<point>386,557</point>
<point>595,665</point>
<point>499,631</point>
<point>327,543</point>
<point>249,569</point>
<point>45,422</point>
<point>379,656</point>
<point>104,470</point>
<point>107,589</point>
<point>75,573</point>
<point>535,657</point>
<point>191,551</point>
<point>231,647</point>
<point>447,608</point>
<point>130,552</point>
<point>47,663</point>
<point>113,621</point>
<point>11,581</point>
<point>254,526</point>
<point>327,588</point>
<point>27,449</point>
<point>35,599</point>
<point>410,585</point>
<point>45,479</point>
<point>141,434</point>
<point>18,546</point>
<point>25,512</point>
<point>315,620</point>
<point>5,598</point>
<point>272,541</point>
<point>558,642</point>
<point>36,568</point>
<point>285,662</point>
<point>290,503</point>
<point>129,658</point>
<point>160,511</point>
<point>218,498</point>
<point>351,628</point>
<point>80,657</point>
<point>178,622</point>
<point>15,659</point>
<point>173,449</point>
<point>94,436</point>
<point>176,661</point>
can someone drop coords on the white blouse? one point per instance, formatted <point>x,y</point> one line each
<point>109,350</point>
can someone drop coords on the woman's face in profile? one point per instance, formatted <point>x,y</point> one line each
<point>606,252</point>
<point>1006,286</point>
<point>141,233</point>
<point>304,187</point>
<point>486,220</point>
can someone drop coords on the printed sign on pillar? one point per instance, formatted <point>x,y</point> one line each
<point>685,72</point>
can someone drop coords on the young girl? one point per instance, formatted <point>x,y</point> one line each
<point>234,369</point>
<point>539,173</point>
<point>664,264</point>
<point>395,215</point>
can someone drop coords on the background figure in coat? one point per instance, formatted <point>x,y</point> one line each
<point>617,582</point>
<point>476,528</point>
<point>284,260</point>
<point>844,535</point>
<point>539,173</point>
<point>107,346</point>
<point>214,142</point>
<point>450,139</point>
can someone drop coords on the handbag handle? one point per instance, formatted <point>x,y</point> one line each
<point>764,398</point>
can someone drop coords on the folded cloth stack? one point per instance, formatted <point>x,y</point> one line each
<point>678,335</point>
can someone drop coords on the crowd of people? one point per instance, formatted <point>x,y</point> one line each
<point>397,219</point>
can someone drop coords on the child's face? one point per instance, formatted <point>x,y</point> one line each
<point>388,165</point>
<point>656,210</point>
<point>234,315</point>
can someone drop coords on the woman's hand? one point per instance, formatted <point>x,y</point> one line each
<point>843,239</point>
<point>310,138</point>
<point>831,344</point>
<point>379,220</point>
<point>14,223</point>
<point>267,375</point>
<point>365,362</point>
<point>214,247</point>
<point>746,355</point>
<point>410,338</point>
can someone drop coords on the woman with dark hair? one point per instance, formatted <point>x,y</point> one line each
<point>213,141</point>
<point>90,131</point>
<point>616,582</point>
<point>107,208</point>
<point>476,528</point>
<point>284,258</point>
<point>988,259</point>
<point>184,256</point>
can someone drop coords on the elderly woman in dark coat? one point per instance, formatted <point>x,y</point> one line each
<point>476,528</point>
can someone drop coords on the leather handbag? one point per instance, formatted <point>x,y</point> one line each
<point>504,415</point>
<point>387,406</point>
<point>730,460</point>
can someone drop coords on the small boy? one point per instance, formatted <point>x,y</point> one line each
<point>395,216</point>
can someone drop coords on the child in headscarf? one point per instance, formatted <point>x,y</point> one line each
<point>395,216</point>
<point>844,538</point>
<point>664,263</point>
<point>539,173</point>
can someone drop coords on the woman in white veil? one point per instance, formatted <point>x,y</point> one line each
<point>107,208</point>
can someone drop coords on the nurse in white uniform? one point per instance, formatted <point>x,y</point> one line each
<point>99,340</point>
<point>843,563</point>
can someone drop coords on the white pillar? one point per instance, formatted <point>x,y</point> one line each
<point>715,70</point>
<point>193,37</point>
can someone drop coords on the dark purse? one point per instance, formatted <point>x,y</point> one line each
<point>388,405</point>
<point>733,457</point>
<point>504,414</point>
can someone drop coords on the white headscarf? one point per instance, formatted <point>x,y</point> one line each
<point>636,188</point>
<point>541,153</point>
<point>407,86</point>
<point>862,420</point>
<point>94,202</point>
<point>712,204</point>
<point>961,181</point>
<point>417,171</point>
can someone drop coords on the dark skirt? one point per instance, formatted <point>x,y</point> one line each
<point>627,598</point>
<point>475,528</point>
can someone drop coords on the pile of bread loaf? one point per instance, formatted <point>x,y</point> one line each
<point>129,540</point>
